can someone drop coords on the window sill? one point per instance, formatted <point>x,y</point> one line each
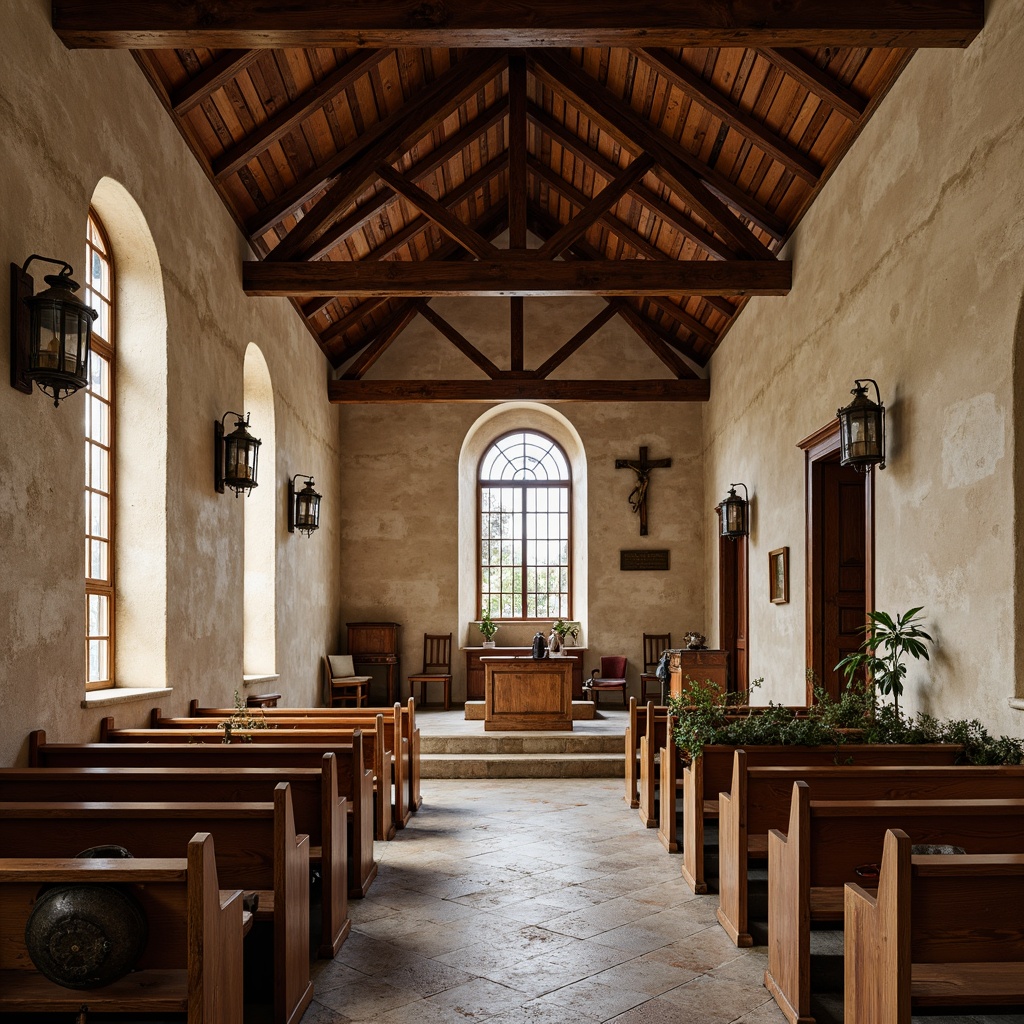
<point>270,677</point>
<point>122,695</point>
<point>1016,702</point>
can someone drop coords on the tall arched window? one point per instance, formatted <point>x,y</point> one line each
<point>525,500</point>
<point>99,463</point>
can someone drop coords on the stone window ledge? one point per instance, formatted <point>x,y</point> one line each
<point>1017,702</point>
<point>123,695</point>
<point>269,677</point>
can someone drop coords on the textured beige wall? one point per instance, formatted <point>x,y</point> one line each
<point>400,476</point>
<point>67,119</point>
<point>909,269</point>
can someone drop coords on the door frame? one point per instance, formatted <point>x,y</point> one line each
<point>820,447</point>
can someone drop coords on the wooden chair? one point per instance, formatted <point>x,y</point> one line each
<point>612,677</point>
<point>654,644</point>
<point>437,666</point>
<point>341,684</point>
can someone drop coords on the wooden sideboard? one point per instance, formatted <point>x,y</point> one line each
<point>475,668</point>
<point>699,666</point>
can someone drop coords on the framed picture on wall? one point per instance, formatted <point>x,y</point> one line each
<point>778,576</point>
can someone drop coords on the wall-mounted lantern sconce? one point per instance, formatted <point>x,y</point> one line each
<point>862,430</point>
<point>50,332</point>
<point>235,455</point>
<point>303,507</point>
<point>735,521</point>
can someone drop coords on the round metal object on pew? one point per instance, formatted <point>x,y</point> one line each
<point>86,936</point>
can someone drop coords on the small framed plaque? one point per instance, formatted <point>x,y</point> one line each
<point>643,560</point>
<point>778,576</point>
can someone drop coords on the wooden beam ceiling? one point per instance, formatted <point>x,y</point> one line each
<point>518,275</point>
<point>156,24</point>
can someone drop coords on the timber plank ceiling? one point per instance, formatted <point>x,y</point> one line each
<point>665,177</point>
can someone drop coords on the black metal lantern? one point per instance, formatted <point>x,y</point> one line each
<point>862,430</point>
<point>303,507</point>
<point>51,332</point>
<point>735,521</point>
<point>235,455</point>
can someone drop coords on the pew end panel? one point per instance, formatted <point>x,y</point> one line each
<point>732,855</point>
<point>789,904</point>
<point>334,860</point>
<point>668,793</point>
<point>293,990</point>
<point>192,963</point>
<point>631,773</point>
<point>648,809</point>
<point>693,819</point>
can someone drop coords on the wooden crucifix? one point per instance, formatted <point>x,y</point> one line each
<point>638,496</point>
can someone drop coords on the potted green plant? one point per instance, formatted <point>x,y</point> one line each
<point>567,629</point>
<point>488,627</point>
<point>887,643</point>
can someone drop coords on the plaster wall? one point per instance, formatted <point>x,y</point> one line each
<point>400,470</point>
<point>67,120</point>
<point>908,269</point>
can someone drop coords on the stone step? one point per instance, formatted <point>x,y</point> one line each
<point>522,766</point>
<point>523,743</point>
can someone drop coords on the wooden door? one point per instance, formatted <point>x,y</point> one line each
<point>732,607</point>
<point>844,611</point>
<point>840,558</point>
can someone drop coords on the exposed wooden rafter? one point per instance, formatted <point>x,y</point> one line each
<point>215,76</point>
<point>838,96</point>
<point>516,387</point>
<point>516,275</point>
<point>158,24</point>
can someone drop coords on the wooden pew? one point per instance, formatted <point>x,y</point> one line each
<point>257,848</point>
<point>825,844</point>
<point>652,743</point>
<point>410,731</point>
<point>355,782</point>
<point>339,721</point>
<point>377,754</point>
<point>760,800</point>
<point>635,728</point>
<point>319,810</point>
<point>193,960</point>
<point>942,932</point>
<point>710,774</point>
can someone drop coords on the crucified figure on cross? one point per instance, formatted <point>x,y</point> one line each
<point>638,496</point>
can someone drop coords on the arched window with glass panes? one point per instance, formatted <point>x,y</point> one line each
<point>99,463</point>
<point>525,497</point>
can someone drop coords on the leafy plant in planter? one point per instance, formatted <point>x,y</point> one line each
<point>566,629</point>
<point>488,627</point>
<point>887,643</point>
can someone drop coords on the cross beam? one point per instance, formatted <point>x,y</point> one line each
<point>217,24</point>
<point>526,276</point>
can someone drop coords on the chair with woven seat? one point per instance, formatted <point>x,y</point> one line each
<point>437,667</point>
<point>341,684</point>
<point>650,685</point>
<point>612,677</point>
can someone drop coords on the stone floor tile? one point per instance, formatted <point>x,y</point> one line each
<point>729,998</point>
<point>317,1013</point>
<point>595,999</point>
<point>366,999</point>
<point>477,1000</point>
<point>645,975</point>
<point>699,952</point>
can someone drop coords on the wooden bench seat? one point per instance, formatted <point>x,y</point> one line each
<point>705,778</point>
<point>192,964</point>
<point>319,811</point>
<point>940,932</point>
<point>759,800</point>
<point>355,781</point>
<point>410,732</point>
<point>377,754</point>
<point>828,841</point>
<point>257,850</point>
<point>636,727</point>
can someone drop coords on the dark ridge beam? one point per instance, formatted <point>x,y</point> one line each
<point>707,96</point>
<point>162,24</point>
<point>516,388</point>
<point>215,76</point>
<point>518,276</point>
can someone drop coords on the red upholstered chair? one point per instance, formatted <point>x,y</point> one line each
<point>612,677</point>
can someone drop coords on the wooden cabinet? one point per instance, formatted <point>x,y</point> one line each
<point>376,643</point>
<point>527,693</point>
<point>697,666</point>
<point>475,668</point>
